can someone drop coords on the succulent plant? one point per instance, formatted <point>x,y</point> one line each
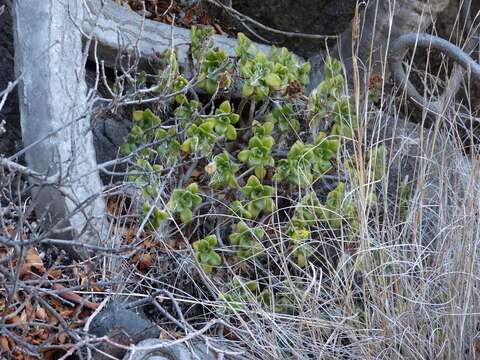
<point>205,253</point>
<point>184,201</point>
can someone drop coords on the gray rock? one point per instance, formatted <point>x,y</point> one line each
<point>319,17</point>
<point>122,326</point>
<point>109,133</point>
<point>109,130</point>
<point>10,141</point>
<point>438,172</point>
<point>193,351</point>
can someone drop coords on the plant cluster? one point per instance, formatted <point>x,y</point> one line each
<point>260,172</point>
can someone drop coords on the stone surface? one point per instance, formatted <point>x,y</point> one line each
<point>10,141</point>
<point>122,326</point>
<point>109,130</point>
<point>438,173</point>
<point>183,351</point>
<point>320,17</point>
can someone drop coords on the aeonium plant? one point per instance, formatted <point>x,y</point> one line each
<point>222,171</point>
<point>259,152</point>
<point>284,119</point>
<point>247,240</point>
<point>201,138</point>
<point>259,196</point>
<point>205,253</point>
<point>224,120</point>
<point>184,201</point>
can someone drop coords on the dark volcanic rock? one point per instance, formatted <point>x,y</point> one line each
<point>322,17</point>
<point>122,326</point>
<point>11,140</point>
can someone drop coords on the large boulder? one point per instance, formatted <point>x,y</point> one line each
<point>10,141</point>
<point>122,326</point>
<point>320,17</point>
<point>439,178</point>
<point>158,349</point>
<point>109,130</point>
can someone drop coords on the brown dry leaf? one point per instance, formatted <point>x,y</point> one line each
<point>66,313</point>
<point>52,320</point>
<point>15,319</point>
<point>52,354</point>
<point>29,312</point>
<point>10,230</point>
<point>75,269</point>
<point>33,263</point>
<point>74,297</point>
<point>188,18</point>
<point>196,174</point>
<point>40,313</point>
<point>127,235</point>
<point>55,274</point>
<point>112,205</point>
<point>4,344</point>
<point>97,288</point>
<point>62,337</point>
<point>145,262</point>
<point>219,29</point>
<point>23,317</point>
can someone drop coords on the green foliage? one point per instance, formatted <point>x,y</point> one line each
<point>259,152</point>
<point>290,142</point>
<point>284,119</point>
<point>328,101</point>
<point>239,210</point>
<point>169,147</point>
<point>147,179</point>
<point>301,250</point>
<point>259,78</point>
<point>338,207</point>
<point>289,67</point>
<point>155,215</point>
<point>142,131</point>
<point>306,212</point>
<point>187,112</point>
<point>265,73</point>
<point>179,84</point>
<point>259,196</point>
<point>405,197</point>
<point>201,138</point>
<point>245,49</point>
<point>214,72</point>
<point>297,168</point>
<point>200,40</point>
<point>306,160</point>
<point>205,253</point>
<point>377,161</point>
<point>224,120</point>
<point>183,201</point>
<point>240,294</point>
<point>222,171</point>
<point>325,149</point>
<point>215,66</point>
<point>247,240</point>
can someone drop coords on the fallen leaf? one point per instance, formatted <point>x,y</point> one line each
<point>219,30</point>
<point>62,337</point>
<point>4,344</point>
<point>29,312</point>
<point>73,297</point>
<point>40,313</point>
<point>55,274</point>
<point>32,264</point>
<point>145,262</point>
<point>10,230</point>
